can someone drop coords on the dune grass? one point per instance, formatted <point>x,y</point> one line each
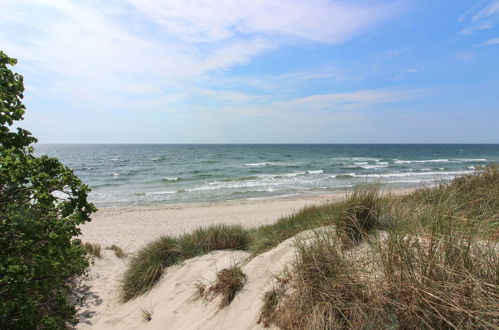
<point>93,249</point>
<point>118,252</point>
<point>434,266</point>
<point>147,266</point>
<point>426,260</point>
<point>228,283</point>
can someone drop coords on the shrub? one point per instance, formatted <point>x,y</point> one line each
<point>38,255</point>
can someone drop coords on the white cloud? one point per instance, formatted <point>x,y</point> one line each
<point>346,101</point>
<point>491,9</point>
<point>475,28</point>
<point>483,18</point>
<point>313,20</point>
<point>160,49</point>
<point>490,42</point>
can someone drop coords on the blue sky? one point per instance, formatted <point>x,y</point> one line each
<point>281,71</point>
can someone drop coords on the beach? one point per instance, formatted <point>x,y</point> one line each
<point>133,227</point>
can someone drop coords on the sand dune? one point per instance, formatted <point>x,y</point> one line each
<point>171,300</point>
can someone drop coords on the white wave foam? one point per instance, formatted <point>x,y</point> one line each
<point>315,172</point>
<point>358,159</point>
<point>409,174</point>
<point>258,164</point>
<point>367,167</point>
<point>471,168</point>
<point>271,164</point>
<point>471,159</point>
<point>361,163</point>
<point>366,158</point>
<point>171,179</point>
<point>421,161</point>
<point>169,192</point>
<point>115,174</point>
<point>457,160</point>
<point>342,175</point>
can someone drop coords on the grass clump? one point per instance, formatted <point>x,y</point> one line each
<point>117,251</point>
<point>147,266</point>
<point>360,213</point>
<point>217,237</point>
<point>322,291</point>
<point>93,249</point>
<point>228,283</point>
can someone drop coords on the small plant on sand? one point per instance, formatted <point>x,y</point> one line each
<point>228,283</point>
<point>93,249</point>
<point>117,251</point>
<point>199,290</point>
<point>147,314</point>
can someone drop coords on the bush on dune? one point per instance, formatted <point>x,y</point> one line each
<point>39,257</point>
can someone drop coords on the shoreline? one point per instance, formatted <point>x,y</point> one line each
<point>132,227</point>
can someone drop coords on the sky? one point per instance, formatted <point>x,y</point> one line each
<point>256,71</point>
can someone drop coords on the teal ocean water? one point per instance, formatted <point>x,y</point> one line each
<point>164,174</point>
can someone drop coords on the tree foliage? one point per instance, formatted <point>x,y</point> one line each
<point>42,203</point>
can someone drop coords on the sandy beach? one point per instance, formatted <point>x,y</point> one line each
<point>132,227</point>
<point>171,300</point>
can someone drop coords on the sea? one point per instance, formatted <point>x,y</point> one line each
<point>145,174</point>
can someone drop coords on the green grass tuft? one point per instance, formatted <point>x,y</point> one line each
<point>360,214</point>
<point>93,249</point>
<point>146,268</point>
